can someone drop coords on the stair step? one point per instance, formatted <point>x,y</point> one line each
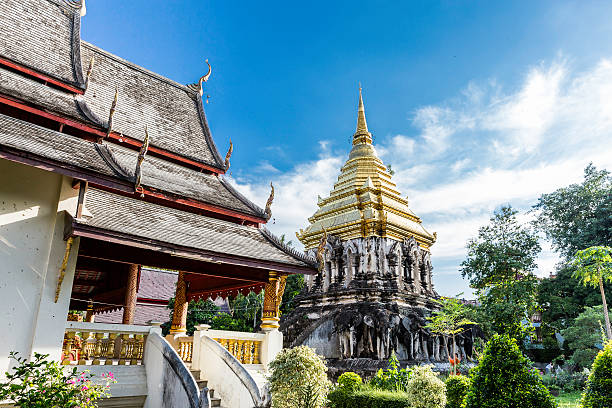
<point>215,402</point>
<point>196,374</point>
<point>202,383</point>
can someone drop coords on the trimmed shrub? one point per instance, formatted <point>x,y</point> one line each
<point>456,389</point>
<point>425,389</point>
<point>504,378</point>
<point>368,397</point>
<point>349,381</point>
<point>598,393</point>
<point>298,378</point>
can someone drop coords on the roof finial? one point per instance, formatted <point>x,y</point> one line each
<point>112,113</point>
<point>362,126</point>
<point>204,78</point>
<point>141,156</point>
<point>89,71</point>
<point>268,210</point>
<point>228,155</point>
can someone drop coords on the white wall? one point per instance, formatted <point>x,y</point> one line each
<point>31,251</point>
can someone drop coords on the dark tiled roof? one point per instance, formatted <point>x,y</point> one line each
<point>175,179</point>
<point>43,35</point>
<point>116,161</point>
<point>24,136</point>
<point>157,284</point>
<point>35,93</point>
<point>172,112</point>
<point>143,313</point>
<point>162,224</point>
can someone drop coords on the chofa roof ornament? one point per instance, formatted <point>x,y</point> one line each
<point>268,210</point>
<point>141,156</point>
<point>228,155</point>
<point>92,60</point>
<point>77,4</point>
<point>204,78</point>
<point>111,113</point>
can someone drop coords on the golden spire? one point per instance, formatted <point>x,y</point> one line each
<point>362,135</point>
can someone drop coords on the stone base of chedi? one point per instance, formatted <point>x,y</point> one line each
<point>372,298</point>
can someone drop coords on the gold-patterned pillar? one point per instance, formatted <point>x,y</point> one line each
<point>273,296</point>
<point>131,294</point>
<point>89,317</point>
<point>179,316</point>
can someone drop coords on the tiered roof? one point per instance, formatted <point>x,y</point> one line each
<point>364,201</point>
<point>70,107</point>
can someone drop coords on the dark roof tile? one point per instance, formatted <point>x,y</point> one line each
<point>129,216</point>
<point>43,35</point>
<point>172,112</point>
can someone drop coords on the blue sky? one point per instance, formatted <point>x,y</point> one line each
<point>474,103</point>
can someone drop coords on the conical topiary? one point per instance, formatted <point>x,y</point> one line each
<point>598,393</point>
<point>505,378</point>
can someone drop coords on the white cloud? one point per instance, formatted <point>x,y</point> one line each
<point>295,195</point>
<point>485,147</point>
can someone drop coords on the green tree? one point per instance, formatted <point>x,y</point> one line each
<point>500,264</point>
<point>449,320</point>
<point>578,216</point>
<point>244,314</point>
<point>505,378</point>
<point>593,267</point>
<point>295,285</point>
<point>198,312</point>
<point>563,298</point>
<point>583,336</point>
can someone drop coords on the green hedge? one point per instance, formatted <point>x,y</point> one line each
<point>367,398</point>
<point>598,393</point>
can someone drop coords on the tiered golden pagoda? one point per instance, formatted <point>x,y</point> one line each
<point>364,201</point>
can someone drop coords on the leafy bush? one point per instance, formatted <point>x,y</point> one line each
<point>367,397</point>
<point>41,383</point>
<point>504,378</point>
<point>583,335</point>
<point>598,393</point>
<point>567,382</point>
<point>298,379</point>
<point>456,389</point>
<point>391,379</point>
<point>425,389</point>
<point>349,381</point>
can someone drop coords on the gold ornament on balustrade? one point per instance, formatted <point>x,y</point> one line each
<point>185,350</point>
<point>245,351</point>
<point>84,348</point>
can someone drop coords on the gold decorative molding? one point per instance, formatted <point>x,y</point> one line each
<point>62,269</point>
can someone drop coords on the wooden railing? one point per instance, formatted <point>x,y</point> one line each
<point>97,343</point>
<point>185,348</point>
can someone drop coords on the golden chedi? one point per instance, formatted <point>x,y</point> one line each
<point>374,291</point>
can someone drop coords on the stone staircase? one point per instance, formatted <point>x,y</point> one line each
<point>197,375</point>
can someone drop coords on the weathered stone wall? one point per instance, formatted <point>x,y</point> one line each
<point>371,299</point>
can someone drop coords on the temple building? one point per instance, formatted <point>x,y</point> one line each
<point>106,167</point>
<point>374,288</point>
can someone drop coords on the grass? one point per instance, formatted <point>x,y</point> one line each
<point>568,400</point>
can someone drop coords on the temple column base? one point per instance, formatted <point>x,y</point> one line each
<point>269,324</point>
